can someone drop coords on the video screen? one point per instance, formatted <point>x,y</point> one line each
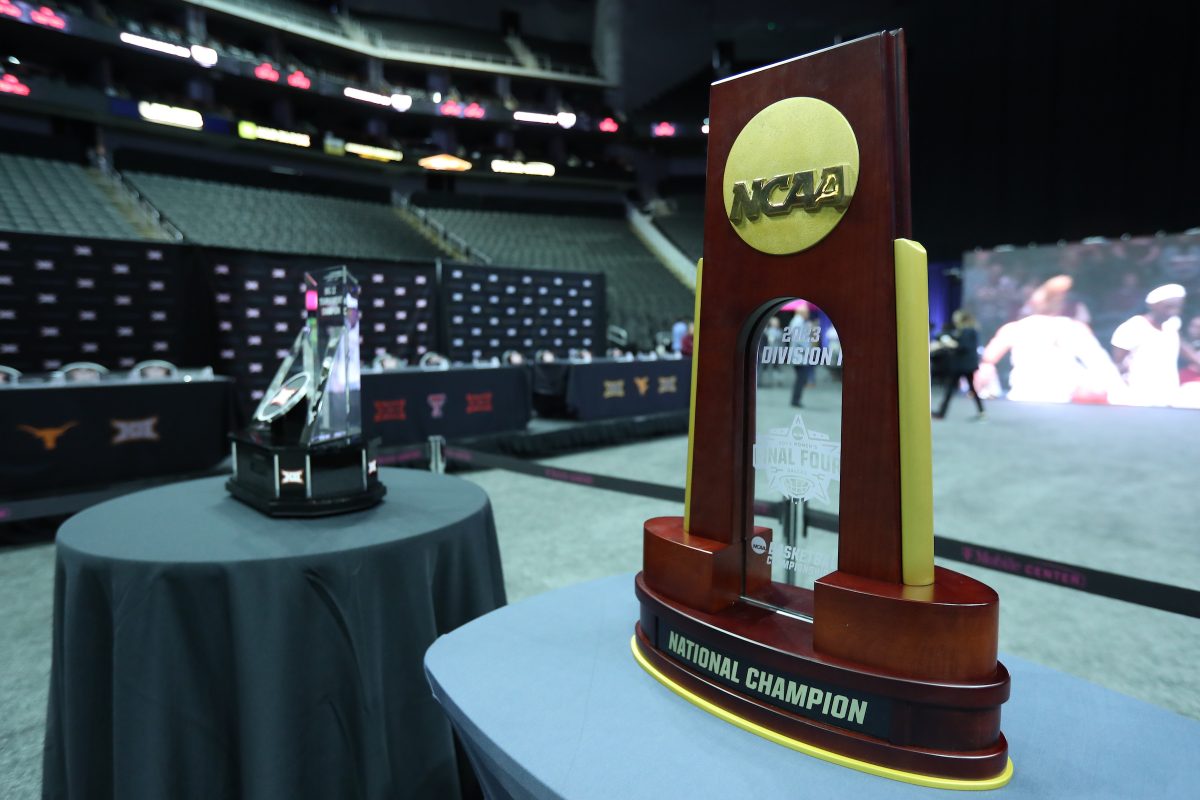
<point>1113,322</point>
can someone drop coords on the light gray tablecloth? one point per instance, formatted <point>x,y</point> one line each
<point>550,703</point>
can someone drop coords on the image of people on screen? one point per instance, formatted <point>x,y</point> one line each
<point>1055,357</point>
<point>1098,321</point>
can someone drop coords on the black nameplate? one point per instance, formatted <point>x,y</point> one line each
<point>823,702</point>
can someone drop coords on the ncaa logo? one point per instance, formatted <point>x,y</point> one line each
<point>759,545</point>
<point>790,175</point>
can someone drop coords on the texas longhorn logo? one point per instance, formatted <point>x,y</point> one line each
<point>798,462</point>
<point>134,430</point>
<point>48,436</point>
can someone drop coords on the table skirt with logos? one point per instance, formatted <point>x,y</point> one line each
<point>550,703</point>
<point>407,406</point>
<point>59,436</point>
<point>204,650</point>
<point>609,388</point>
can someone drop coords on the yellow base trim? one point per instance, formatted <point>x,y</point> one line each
<point>931,781</point>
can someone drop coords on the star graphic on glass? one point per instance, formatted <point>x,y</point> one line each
<point>799,463</point>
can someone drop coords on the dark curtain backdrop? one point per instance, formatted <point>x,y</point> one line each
<point>1030,121</point>
<point>945,291</point>
<point>1034,122</point>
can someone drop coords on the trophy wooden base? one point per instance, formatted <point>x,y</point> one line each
<point>931,781</point>
<point>767,672</point>
<point>290,481</point>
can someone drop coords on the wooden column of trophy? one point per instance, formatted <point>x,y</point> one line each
<point>896,673</point>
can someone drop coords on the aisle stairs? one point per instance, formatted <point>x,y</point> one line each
<point>450,243</point>
<point>143,217</point>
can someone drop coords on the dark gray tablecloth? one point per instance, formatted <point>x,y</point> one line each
<point>550,703</point>
<point>203,650</point>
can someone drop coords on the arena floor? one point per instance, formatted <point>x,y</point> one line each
<point>1116,489</point>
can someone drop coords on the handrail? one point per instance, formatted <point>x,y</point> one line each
<point>444,234</point>
<point>139,200</point>
<point>150,209</point>
<point>662,247</point>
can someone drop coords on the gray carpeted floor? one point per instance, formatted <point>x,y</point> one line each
<point>26,597</point>
<point>1111,488</point>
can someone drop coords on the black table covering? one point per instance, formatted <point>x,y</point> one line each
<point>550,389</point>
<point>203,650</point>
<point>409,406</point>
<point>61,436</point>
<point>605,389</point>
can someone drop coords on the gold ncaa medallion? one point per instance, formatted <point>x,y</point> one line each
<point>790,175</point>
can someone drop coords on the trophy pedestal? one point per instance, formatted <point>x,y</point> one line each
<point>896,680</point>
<point>889,664</point>
<point>296,481</point>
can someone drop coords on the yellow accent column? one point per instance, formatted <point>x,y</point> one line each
<point>916,456</point>
<point>687,493</point>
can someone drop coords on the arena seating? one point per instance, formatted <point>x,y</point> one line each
<point>43,196</point>
<point>684,226</point>
<point>561,56</point>
<point>453,41</point>
<point>227,215</point>
<point>291,11</point>
<point>643,297</point>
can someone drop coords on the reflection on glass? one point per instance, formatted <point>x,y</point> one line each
<point>797,408</point>
<point>326,355</point>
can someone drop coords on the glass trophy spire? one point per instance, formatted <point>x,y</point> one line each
<point>304,453</point>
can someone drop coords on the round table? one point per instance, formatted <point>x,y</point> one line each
<point>203,650</point>
<point>550,703</point>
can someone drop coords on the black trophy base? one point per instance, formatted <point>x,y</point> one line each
<point>292,481</point>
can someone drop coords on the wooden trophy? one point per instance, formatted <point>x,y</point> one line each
<point>888,663</point>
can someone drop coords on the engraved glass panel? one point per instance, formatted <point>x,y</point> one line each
<point>326,354</point>
<point>796,406</point>
<point>335,345</point>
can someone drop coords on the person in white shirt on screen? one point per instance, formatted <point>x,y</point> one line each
<point>1055,358</point>
<point>1146,349</point>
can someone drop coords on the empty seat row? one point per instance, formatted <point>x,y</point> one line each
<point>229,215</point>
<point>40,195</point>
